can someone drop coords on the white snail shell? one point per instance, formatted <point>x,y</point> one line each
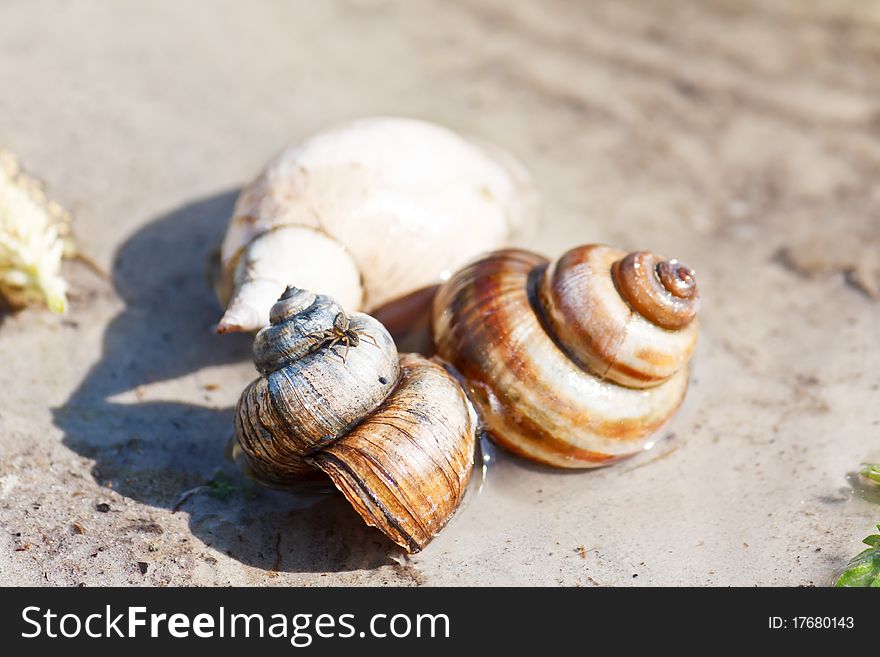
<point>368,212</point>
<point>395,434</point>
<point>574,363</point>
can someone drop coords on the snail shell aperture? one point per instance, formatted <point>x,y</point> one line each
<point>323,214</point>
<point>574,363</point>
<point>395,434</point>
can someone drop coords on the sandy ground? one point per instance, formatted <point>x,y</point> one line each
<point>743,138</point>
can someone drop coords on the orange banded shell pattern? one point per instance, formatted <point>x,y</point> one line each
<point>561,367</point>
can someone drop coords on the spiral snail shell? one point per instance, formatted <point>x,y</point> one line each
<point>573,363</point>
<point>395,434</point>
<point>367,213</point>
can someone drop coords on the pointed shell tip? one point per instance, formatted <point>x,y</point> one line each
<point>237,320</point>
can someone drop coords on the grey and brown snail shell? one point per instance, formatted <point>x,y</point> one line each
<point>394,433</point>
<point>574,363</point>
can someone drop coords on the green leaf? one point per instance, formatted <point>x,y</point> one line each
<point>864,569</point>
<point>871,471</point>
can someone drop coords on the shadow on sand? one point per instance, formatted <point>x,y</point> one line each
<point>156,451</point>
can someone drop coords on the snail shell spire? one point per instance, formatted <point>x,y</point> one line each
<point>613,315</point>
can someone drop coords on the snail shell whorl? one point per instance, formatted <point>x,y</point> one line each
<point>408,493</point>
<point>395,434</point>
<point>585,297</point>
<point>561,368</point>
<point>662,291</point>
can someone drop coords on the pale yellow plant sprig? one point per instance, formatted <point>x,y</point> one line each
<point>34,237</point>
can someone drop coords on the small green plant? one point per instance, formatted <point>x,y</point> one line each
<point>864,569</point>
<point>222,487</point>
<point>871,472</point>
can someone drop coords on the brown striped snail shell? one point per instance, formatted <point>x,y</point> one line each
<point>574,363</point>
<point>395,434</point>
